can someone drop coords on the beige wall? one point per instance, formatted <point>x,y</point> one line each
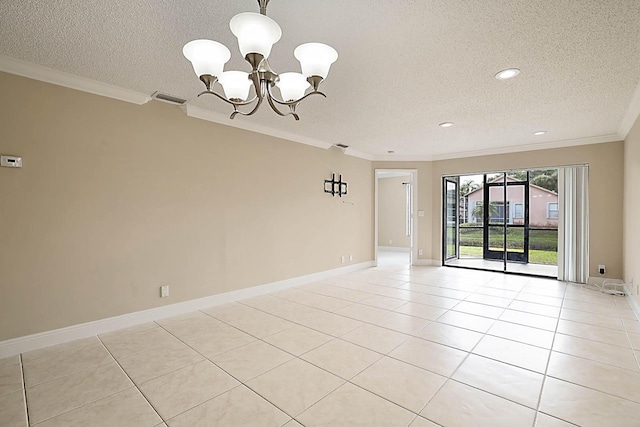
<point>392,212</point>
<point>606,178</point>
<point>115,200</point>
<point>632,208</point>
<point>605,193</point>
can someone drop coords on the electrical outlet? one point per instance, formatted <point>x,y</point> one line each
<point>419,251</point>
<point>601,269</point>
<point>350,257</point>
<point>164,291</point>
<point>390,242</point>
<point>342,258</point>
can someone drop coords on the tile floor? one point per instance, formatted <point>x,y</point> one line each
<point>387,346</point>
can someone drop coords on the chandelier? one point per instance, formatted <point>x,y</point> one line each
<point>256,34</point>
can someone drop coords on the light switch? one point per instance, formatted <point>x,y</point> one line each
<point>420,213</point>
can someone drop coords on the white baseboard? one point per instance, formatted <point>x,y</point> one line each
<point>593,280</point>
<point>632,300</point>
<point>19,345</point>
<point>427,262</point>
<point>394,249</point>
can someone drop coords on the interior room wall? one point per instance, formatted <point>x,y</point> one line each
<point>116,199</point>
<point>606,180</point>
<point>632,208</point>
<point>392,212</point>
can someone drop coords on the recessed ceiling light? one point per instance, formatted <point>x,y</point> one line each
<point>446,124</point>
<point>540,132</point>
<point>509,73</point>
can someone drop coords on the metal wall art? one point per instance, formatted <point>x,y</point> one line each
<point>335,187</point>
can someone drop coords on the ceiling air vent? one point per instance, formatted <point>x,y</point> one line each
<point>168,98</point>
<point>344,147</point>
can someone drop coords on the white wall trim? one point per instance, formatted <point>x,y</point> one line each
<point>633,302</point>
<point>532,147</point>
<point>359,154</point>
<point>60,78</point>
<point>395,249</point>
<point>19,345</point>
<point>223,119</point>
<point>504,150</point>
<point>420,262</point>
<point>631,115</point>
<point>72,81</point>
<point>599,281</point>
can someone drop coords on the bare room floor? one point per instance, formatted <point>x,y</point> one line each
<point>387,346</point>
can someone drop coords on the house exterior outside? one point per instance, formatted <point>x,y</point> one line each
<point>543,205</point>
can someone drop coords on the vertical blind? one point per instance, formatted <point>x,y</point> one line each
<point>573,224</point>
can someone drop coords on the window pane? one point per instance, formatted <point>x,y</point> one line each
<point>496,238</point>
<point>543,246</point>
<point>519,211</point>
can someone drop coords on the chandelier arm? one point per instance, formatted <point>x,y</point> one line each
<point>295,102</point>
<point>235,104</point>
<point>293,113</point>
<point>250,113</point>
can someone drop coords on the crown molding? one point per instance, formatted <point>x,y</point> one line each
<point>60,78</point>
<point>223,119</point>
<point>631,115</point>
<point>358,154</point>
<point>405,158</point>
<point>501,150</point>
<point>531,147</point>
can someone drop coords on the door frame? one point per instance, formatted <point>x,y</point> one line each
<point>413,178</point>
<point>456,182</point>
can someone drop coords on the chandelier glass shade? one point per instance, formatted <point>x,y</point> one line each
<point>256,34</point>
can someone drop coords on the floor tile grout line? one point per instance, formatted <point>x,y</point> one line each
<point>390,311</point>
<point>344,381</point>
<point>131,380</point>
<point>241,383</point>
<point>447,310</point>
<point>546,370</point>
<point>24,391</point>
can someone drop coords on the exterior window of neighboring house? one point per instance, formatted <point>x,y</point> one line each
<point>552,211</point>
<point>518,210</point>
<point>497,212</point>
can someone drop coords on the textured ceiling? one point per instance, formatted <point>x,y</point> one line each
<point>404,66</point>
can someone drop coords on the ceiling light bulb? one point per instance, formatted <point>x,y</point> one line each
<point>206,56</point>
<point>315,59</point>
<point>292,86</point>
<point>509,73</point>
<point>256,33</point>
<point>540,132</point>
<point>236,84</point>
<point>446,124</point>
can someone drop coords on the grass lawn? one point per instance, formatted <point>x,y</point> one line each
<point>535,256</point>
<point>539,239</point>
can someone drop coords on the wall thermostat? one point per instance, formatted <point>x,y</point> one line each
<point>11,161</point>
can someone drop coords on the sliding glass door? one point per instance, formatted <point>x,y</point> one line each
<point>502,221</point>
<point>493,212</point>
<point>450,229</point>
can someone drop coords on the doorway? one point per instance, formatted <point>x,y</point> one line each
<point>502,221</point>
<point>395,228</point>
